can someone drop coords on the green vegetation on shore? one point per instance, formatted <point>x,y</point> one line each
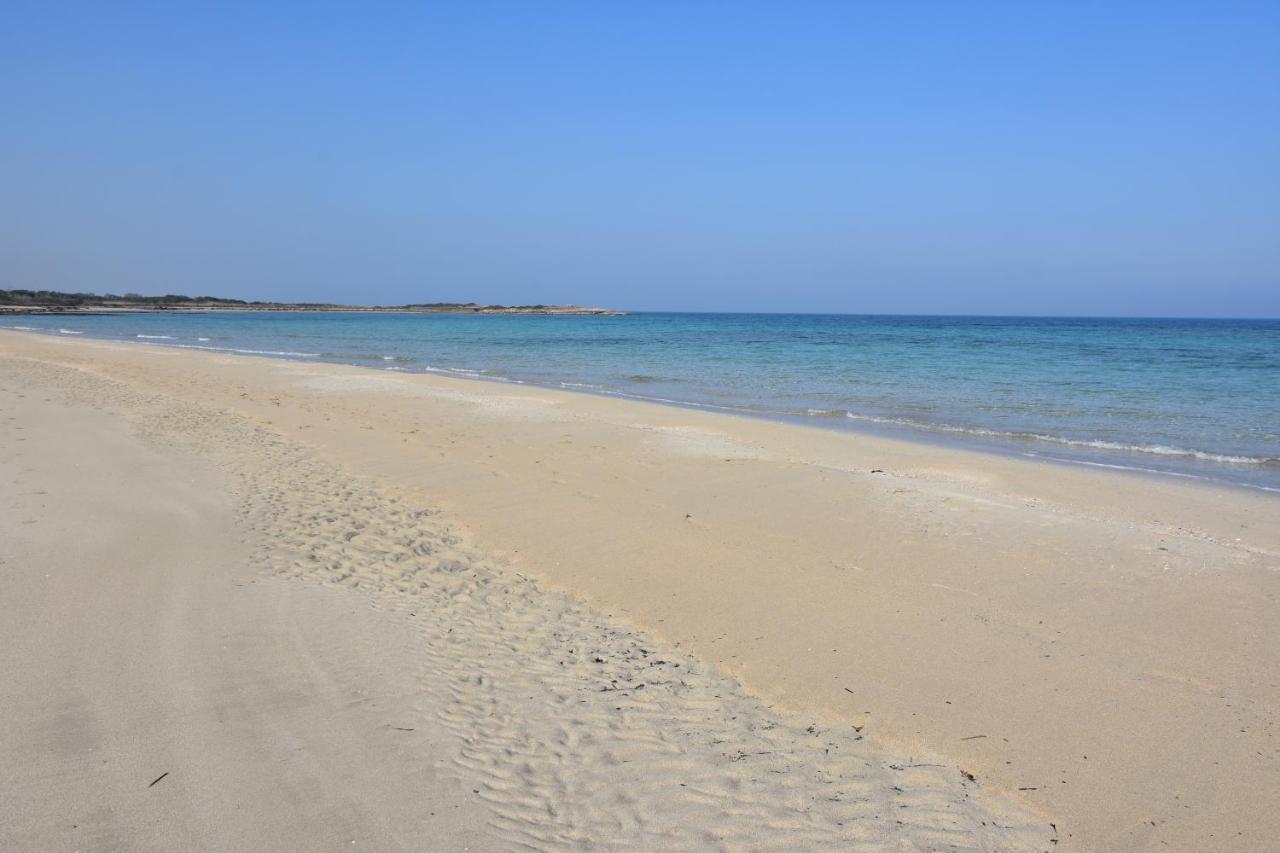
<point>54,302</point>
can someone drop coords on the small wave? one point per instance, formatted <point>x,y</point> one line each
<point>1144,470</point>
<point>364,356</point>
<point>203,339</point>
<point>688,404</point>
<point>25,328</point>
<point>156,337</point>
<point>462,371</point>
<point>69,332</point>
<point>251,351</point>
<point>1096,444</point>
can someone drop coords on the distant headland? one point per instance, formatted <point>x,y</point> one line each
<point>54,302</point>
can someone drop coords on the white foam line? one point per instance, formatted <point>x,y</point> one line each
<point>1160,471</point>
<point>1097,444</point>
<point>250,351</point>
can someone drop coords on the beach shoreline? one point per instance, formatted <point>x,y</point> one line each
<point>1150,413</point>
<point>947,601</point>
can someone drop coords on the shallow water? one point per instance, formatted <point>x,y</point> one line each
<point>1194,398</point>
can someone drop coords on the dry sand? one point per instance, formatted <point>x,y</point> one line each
<point>1098,651</point>
<point>160,692</point>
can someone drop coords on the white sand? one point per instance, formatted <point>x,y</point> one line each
<point>138,640</point>
<point>1098,650</point>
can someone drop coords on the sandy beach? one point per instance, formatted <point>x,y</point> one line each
<point>253,603</point>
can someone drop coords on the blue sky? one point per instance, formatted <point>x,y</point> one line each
<point>1029,158</point>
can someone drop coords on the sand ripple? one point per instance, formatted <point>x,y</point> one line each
<point>577,730</point>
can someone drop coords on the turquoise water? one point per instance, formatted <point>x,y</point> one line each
<point>1197,398</point>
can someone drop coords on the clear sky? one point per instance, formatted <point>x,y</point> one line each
<point>1029,158</point>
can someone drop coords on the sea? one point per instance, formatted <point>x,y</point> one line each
<point>1195,399</point>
